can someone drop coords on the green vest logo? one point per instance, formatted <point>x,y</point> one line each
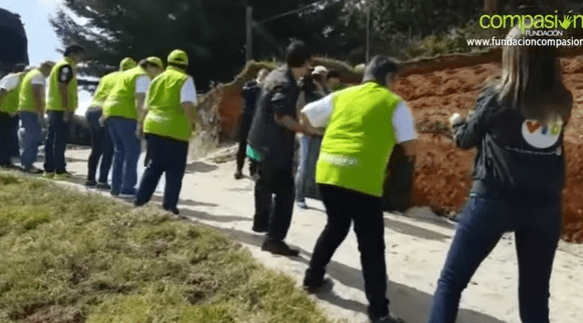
<point>533,22</point>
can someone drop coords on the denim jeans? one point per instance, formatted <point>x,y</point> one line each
<point>13,141</point>
<point>31,138</point>
<point>126,152</point>
<point>160,148</point>
<point>537,227</point>
<point>101,147</point>
<point>305,173</point>
<point>56,143</point>
<point>343,208</point>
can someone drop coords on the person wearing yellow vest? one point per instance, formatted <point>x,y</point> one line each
<point>101,144</point>
<point>9,90</point>
<point>363,124</point>
<point>62,102</point>
<point>121,110</point>
<point>31,111</point>
<point>168,125</point>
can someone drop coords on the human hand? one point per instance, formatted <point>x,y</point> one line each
<point>456,118</point>
<point>140,131</point>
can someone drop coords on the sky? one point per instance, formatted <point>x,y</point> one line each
<point>42,40</point>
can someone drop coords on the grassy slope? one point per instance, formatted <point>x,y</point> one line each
<point>74,257</point>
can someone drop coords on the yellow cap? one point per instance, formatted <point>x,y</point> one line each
<point>178,57</point>
<point>127,63</point>
<point>156,61</point>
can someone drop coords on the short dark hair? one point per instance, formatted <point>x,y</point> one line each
<point>73,49</point>
<point>18,68</point>
<point>378,69</point>
<point>333,74</point>
<point>297,54</point>
<point>180,66</point>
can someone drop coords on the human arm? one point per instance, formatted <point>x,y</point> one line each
<point>64,77</point>
<point>468,132</point>
<point>285,109</point>
<point>188,101</point>
<point>142,85</point>
<point>7,84</point>
<point>404,127</point>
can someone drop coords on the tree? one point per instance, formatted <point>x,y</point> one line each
<point>211,32</point>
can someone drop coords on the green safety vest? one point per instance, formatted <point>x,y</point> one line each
<point>26,97</point>
<point>359,139</point>
<point>10,102</point>
<point>54,102</point>
<point>165,112</point>
<point>121,101</point>
<point>105,86</point>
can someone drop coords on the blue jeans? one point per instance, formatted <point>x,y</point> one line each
<point>160,149</point>
<point>101,147</point>
<point>56,143</point>
<point>126,152</point>
<point>305,174</point>
<point>31,138</point>
<point>536,226</point>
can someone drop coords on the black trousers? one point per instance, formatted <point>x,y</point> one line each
<point>343,207</point>
<point>5,138</point>
<point>14,143</point>
<point>244,128</point>
<point>168,156</point>
<point>274,200</point>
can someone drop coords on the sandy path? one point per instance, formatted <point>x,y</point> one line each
<point>416,249</point>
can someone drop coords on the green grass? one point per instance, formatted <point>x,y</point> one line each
<point>73,257</point>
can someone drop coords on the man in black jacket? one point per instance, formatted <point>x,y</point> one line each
<point>251,92</point>
<point>271,143</point>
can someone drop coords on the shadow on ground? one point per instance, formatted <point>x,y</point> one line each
<point>200,167</point>
<point>409,303</point>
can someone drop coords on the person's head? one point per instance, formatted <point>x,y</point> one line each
<point>179,59</point>
<point>20,67</point>
<point>382,70</point>
<point>152,65</point>
<point>320,74</point>
<point>298,58</point>
<point>333,78</point>
<point>127,63</point>
<point>46,67</point>
<point>76,52</point>
<point>262,75</point>
<point>531,81</point>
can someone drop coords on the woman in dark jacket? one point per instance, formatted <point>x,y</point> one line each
<point>519,174</point>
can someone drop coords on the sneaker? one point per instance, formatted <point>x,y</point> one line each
<point>32,170</point>
<point>238,174</point>
<point>321,286</point>
<point>90,183</point>
<point>279,248</point>
<point>302,205</point>
<point>49,175</point>
<point>389,319</point>
<point>260,229</point>
<point>102,186</point>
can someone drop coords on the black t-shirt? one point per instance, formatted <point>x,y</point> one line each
<point>65,74</point>
<point>274,142</point>
<point>514,155</point>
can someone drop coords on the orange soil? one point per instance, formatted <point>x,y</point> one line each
<point>442,178</point>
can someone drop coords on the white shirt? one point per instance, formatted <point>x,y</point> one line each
<point>38,80</point>
<point>9,82</point>
<point>188,92</point>
<point>142,84</point>
<point>318,113</point>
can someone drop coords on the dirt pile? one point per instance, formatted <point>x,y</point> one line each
<point>443,175</point>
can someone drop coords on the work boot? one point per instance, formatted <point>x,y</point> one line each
<point>103,186</point>
<point>238,174</point>
<point>279,248</point>
<point>90,183</point>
